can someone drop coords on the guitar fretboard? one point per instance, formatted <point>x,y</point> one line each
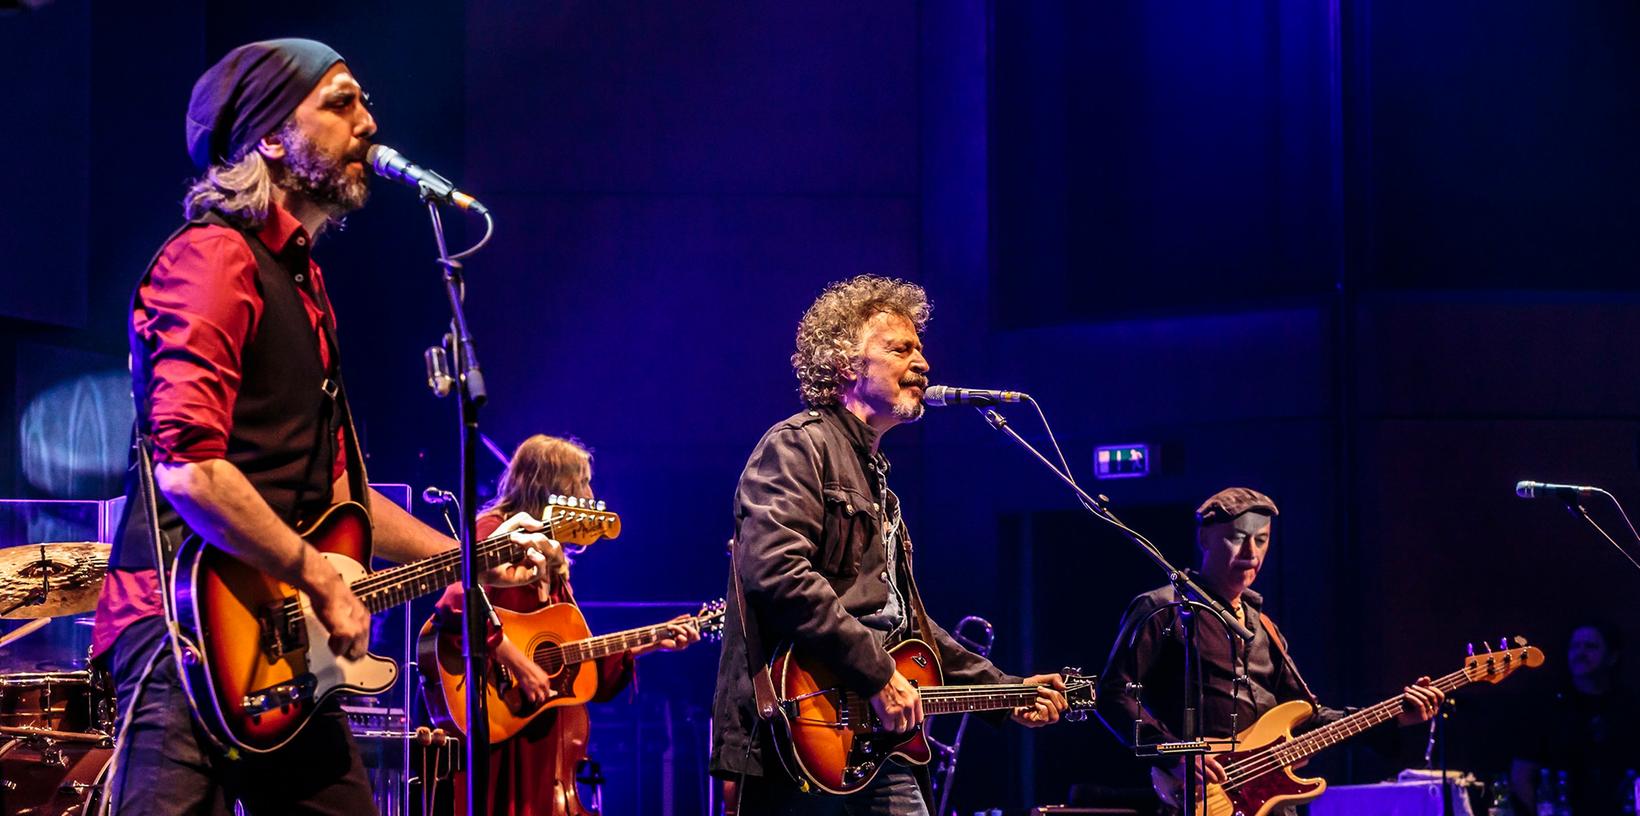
<point>594,648</point>
<point>398,585</point>
<point>1299,748</point>
<point>961,699</point>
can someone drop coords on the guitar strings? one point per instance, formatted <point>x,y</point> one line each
<point>1288,752</point>
<point>370,585</point>
<point>441,561</point>
<point>1269,759</point>
<point>589,648</point>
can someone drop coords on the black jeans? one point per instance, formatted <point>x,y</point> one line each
<point>893,793</point>
<point>166,766</point>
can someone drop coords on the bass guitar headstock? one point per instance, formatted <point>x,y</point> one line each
<point>579,522</point>
<point>1492,666</point>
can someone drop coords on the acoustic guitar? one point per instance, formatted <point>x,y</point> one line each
<point>556,637</point>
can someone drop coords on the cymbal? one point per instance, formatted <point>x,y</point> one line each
<point>69,572</point>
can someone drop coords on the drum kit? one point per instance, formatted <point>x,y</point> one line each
<point>56,727</point>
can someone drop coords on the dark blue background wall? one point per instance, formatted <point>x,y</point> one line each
<point>1368,257</point>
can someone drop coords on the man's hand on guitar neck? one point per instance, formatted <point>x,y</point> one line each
<point>544,557</point>
<point>1050,701</point>
<point>1419,702</point>
<point>898,705</point>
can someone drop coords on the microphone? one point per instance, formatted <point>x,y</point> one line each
<point>436,495</point>
<point>1544,490</point>
<point>942,395</point>
<point>391,164</point>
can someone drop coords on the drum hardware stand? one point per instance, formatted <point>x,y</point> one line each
<point>1192,597</point>
<point>35,597</point>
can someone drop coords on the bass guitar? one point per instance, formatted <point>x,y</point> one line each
<point>830,738</point>
<point>1260,767</point>
<point>256,660</point>
<point>556,637</point>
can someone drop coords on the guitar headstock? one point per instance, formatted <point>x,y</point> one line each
<point>710,619</point>
<point>1079,694</point>
<point>577,521</point>
<point>1492,666</point>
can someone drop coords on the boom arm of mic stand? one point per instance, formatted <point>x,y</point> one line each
<point>1176,576</point>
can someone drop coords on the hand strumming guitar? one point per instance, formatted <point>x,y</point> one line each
<point>898,705</point>
<point>530,678</point>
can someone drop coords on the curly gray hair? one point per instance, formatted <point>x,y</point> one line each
<point>828,336</point>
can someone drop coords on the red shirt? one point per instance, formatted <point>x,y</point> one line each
<point>197,309</point>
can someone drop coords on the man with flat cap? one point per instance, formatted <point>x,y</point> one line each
<point>1233,538</point>
<point>239,397</point>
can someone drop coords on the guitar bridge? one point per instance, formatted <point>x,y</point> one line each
<point>281,632</point>
<point>279,696</point>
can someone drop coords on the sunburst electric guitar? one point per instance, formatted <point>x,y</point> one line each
<point>1260,768</point>
<point>830,738</point>
<point>257,662</point>
<point>557,639</point>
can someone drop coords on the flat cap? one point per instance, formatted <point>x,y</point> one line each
<point>1232,502</point>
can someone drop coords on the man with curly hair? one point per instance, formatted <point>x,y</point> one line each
<point>821,556</point>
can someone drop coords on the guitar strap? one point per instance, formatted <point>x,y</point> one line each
<point>762,685</point>
<point>924,631</point>
<point>1279,643</point>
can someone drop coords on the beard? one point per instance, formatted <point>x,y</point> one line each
<point>320,177</point>
<point>912,410</point>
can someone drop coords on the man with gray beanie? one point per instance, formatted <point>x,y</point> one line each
<point>240,403</point>
<point>1232,537</point>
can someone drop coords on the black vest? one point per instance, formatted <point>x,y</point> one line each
<point>284,422</point>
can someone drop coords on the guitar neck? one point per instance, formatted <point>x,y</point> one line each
<point>398,585</point>
<point>1367,718</point>
<point>962,699</point>
<point>594,648</point>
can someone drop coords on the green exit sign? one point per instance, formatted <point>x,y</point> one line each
<point>1121,461</point>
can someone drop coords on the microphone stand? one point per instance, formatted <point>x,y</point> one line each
<point>471,396</point>
<point>1576,508</point>
<point>1191,744</point>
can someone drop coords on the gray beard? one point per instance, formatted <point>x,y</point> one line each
<point>319,178</point>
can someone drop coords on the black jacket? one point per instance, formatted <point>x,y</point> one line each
<point>808,511</point>
<point>1149,651</point>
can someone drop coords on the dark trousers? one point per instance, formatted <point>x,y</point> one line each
<point>893,793</point>
<point>167,766</point>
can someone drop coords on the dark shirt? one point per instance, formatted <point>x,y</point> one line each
<point>1155,659</point>
<point>1592,738</point>
<point>809,516</point>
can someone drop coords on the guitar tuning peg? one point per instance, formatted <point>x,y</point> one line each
<point>601,505</point>
<point>1520,640</point>
<point>1488,646</point>
<point>553,499</point>
<point>1471,648</point>
<point>1503,644</point>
